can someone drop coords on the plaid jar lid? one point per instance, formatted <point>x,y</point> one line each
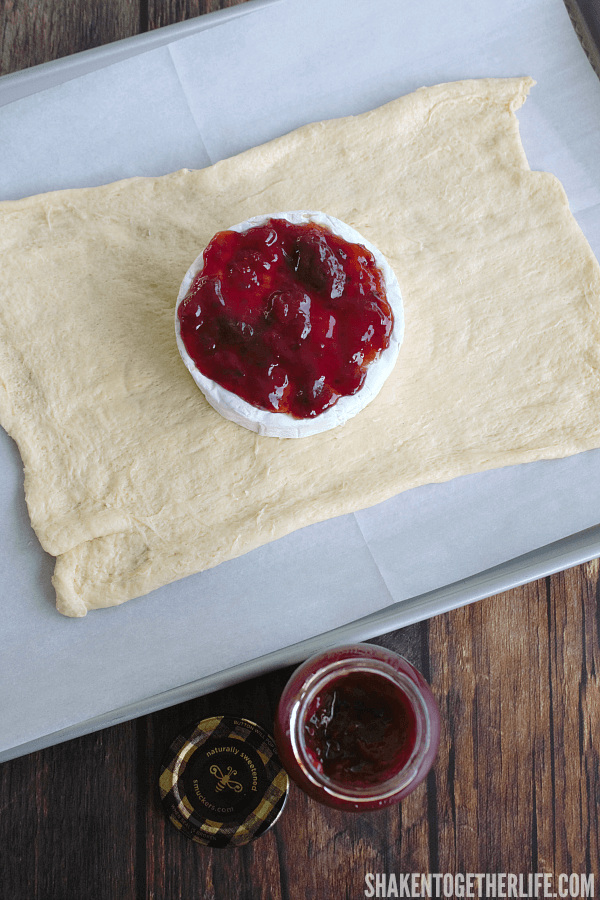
<point>222,783</point>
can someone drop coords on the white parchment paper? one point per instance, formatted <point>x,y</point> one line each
<point>189,103</point>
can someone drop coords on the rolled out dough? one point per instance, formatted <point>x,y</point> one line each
<point>133,481</point>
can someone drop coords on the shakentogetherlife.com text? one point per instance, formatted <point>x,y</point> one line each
<point>479,885</point>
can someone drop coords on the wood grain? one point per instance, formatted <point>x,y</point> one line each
<point>516,785</point>
<point>36,31</point>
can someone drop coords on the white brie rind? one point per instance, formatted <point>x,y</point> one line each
<point>282,425</point>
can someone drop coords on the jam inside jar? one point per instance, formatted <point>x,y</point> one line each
<point>287,316</point>
<point>357,727</point>
<point>360,729</point>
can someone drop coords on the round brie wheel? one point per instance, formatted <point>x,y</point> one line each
<point>283,425</point>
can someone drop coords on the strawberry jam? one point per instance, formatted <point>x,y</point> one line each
<point>361,730</point>
<point>286,316</point>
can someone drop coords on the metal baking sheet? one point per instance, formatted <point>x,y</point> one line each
<point>420,554</point>
<point>585,17</point>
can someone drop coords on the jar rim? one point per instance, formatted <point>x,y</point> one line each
<point>318,682</point>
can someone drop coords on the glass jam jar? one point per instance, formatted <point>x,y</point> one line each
<point>357,727</point>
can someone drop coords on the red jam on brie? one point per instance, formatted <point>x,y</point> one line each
<point>287,315</point>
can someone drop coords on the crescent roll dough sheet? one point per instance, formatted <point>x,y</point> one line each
<point>133,481</point>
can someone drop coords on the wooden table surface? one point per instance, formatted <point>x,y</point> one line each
<point>515,788</point>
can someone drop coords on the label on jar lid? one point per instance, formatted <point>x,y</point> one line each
<point>222,783</point>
